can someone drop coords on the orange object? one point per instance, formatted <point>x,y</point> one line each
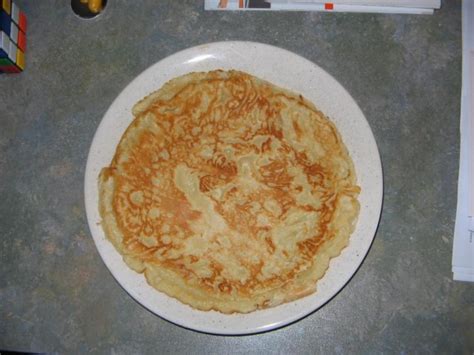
<point>241,4</point>
<point>223,4</point>
<point>22,22</point>
<point>95,6</point>
<point>22,40</point>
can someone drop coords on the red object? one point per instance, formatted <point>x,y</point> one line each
<point>329,6</point>
<point>9,69</point>
<point>22,21</point>
<point>22,41</point>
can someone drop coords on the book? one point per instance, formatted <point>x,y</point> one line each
<point>463,244</point>
<point>375,6</point>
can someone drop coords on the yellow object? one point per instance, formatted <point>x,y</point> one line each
<point>20,59</point>
<point>6,4</point>
<point>84,1</point>
<point>95,6</point>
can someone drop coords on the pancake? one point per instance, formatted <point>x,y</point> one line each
<point>229,193</point>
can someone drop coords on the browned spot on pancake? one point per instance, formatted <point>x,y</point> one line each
<point>225,287</point>
<point>180,210</point>
<point>270,244</point>
<point>297,129</point>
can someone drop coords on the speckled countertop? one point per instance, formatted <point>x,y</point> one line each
<point>56,295</point>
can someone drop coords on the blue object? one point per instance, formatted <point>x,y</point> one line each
<point>5,22</point>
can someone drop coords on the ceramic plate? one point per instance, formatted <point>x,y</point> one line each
<point>289,71</point>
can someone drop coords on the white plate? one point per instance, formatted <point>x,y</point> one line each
<point>287,70</point>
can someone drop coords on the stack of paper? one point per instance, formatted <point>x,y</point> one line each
<point>380,6</point>
<point>463,248</point>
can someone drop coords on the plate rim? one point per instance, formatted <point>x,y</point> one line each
<point>214,330</point>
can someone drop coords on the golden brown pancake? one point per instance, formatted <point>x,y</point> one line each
<point>229,193</point>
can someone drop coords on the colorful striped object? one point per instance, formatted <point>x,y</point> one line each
<point>12,37</point>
